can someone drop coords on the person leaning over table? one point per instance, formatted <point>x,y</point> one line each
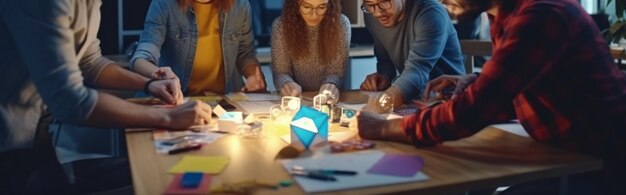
<point>543,73</point>
<point>415,38</point>
<point>208,44</point>
<point>46,45</point>
<point>310,44</point>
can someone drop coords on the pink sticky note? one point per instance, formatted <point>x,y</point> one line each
<point>176,189</point>
<point>397,165</point>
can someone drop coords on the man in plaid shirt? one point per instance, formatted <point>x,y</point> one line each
<point>551,69</point>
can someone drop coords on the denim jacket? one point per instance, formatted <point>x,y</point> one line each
<point>170,37</point>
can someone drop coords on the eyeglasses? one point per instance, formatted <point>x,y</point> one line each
<point>308,9</point>
<point>371,8</point>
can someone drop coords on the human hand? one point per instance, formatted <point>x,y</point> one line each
<point>189,114</point>
<point>375,127</point>
<point>291,89</point>
<point>382,103</point>
<point>162,73</point>
<point>330,89</point>
<point>255,82</point>
<point>370,125</point>
<point>167,91</point>
<point>443,82</point>
<point>375,82</point>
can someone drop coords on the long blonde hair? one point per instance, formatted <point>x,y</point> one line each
<point>294,28</point>
<point>222,4</point>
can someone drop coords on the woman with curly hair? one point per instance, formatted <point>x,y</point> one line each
<point>310,44</point>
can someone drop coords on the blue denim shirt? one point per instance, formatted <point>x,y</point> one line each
<point>170,37</point>
<point>421,47</point>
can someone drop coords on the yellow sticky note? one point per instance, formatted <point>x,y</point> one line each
<point>204,164</point>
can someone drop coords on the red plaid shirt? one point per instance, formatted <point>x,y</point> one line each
<point>552,70</point>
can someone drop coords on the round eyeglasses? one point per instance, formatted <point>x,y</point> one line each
<point>308,9</point>
<point>371,8</point>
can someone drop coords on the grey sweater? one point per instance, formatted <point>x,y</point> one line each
<point>421,47</point>
<point>308,72</point>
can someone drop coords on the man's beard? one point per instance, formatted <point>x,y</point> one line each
<point>472,9</point>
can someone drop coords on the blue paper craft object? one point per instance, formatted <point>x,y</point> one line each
<point>309,127</point>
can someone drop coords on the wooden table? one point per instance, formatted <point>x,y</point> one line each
<point>490,158</point>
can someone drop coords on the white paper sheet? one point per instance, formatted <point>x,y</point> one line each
<point>256,107</point>
<point>253,97</point>
<point>354,161</point>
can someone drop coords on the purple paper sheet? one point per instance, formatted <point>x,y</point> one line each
<point>397,165</point>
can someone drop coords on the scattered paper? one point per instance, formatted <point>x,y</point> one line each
<point>252,97</point>
<point>353,161</point>
<point>219,111</point>
<point>165,141</point>
<point>256,107</point>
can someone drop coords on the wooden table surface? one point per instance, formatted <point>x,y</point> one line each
<point>490,158</point>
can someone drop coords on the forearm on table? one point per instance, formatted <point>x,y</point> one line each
<point>398,98</point>
<point>411,84</point>
<point>394,132</point>
<point>115,77</point>
<point>110,111</point>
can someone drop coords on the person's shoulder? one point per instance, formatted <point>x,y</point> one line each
<point>277,22</point>
<point>429,12</point>
<point>241,3</point>
<point>345,21</point>
<point>546,6</point>
<point>429,5</point>
<point>167,4</point>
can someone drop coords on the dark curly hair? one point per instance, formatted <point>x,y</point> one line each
<point>294,28</point>
<point>222,4</point>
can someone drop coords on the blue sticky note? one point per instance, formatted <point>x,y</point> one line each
<point>191,179</point>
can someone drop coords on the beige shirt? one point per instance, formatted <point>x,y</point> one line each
<point>47,48</point>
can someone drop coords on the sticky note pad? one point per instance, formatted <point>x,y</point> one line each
<point>397,165</point>
<point>191,179</point>
<point>176,188</point>
<point>204,164</point>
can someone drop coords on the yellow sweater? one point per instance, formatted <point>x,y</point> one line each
<point>208,65</point>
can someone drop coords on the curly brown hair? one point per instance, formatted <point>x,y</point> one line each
<point>294,28</point>
<point>222,4</point>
